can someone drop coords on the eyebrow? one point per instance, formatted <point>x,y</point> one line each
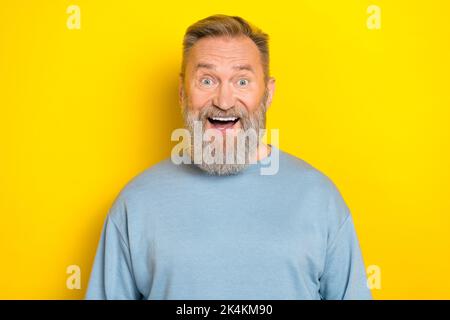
<point>236,67</point>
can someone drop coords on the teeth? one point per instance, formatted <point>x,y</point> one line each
<point>224,119</point>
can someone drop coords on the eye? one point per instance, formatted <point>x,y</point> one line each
<point>243,82</point>
<point>207,82</point>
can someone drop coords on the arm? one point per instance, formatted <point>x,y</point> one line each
<point>344,276</point>
<point>112,275</point>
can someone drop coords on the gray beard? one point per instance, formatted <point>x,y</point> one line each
<point>249,121</point>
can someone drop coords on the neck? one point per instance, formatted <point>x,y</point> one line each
<point>263,151</point>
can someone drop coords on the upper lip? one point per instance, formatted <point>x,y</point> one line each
<point>224,118</point>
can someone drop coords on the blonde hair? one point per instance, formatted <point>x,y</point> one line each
<point>230,26</point>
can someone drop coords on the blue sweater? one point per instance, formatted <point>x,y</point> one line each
<point>175,232</point>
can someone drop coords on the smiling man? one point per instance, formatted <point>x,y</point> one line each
<point>221,229</point>
<point>225,86</point>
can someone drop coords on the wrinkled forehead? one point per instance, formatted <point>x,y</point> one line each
<point>224,54</point>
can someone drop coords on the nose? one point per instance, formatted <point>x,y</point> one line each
<point>224,99</point>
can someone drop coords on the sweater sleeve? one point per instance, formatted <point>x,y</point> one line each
<point>344,276</point>
<point>112,275</point>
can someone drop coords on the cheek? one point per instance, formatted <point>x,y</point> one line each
<point>198,99</point>
<point>250,100</point>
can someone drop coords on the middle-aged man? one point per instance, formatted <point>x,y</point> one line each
<point>223,229</point>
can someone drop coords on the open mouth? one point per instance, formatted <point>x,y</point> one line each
<point>223,123</point>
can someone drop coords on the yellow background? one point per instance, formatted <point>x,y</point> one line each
<point>83,111</point>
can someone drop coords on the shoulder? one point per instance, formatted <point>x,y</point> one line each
<point>155,179</point>
<point>303,173</point>
<point>316,186</point>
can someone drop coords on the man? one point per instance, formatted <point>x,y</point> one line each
<point>223,230</point>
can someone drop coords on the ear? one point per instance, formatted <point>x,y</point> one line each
<point>270,90</point>
<point>180,90</point>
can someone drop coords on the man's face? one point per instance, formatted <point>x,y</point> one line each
<point>224,86</point>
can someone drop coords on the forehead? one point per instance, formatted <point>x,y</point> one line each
<point>224,51</point>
